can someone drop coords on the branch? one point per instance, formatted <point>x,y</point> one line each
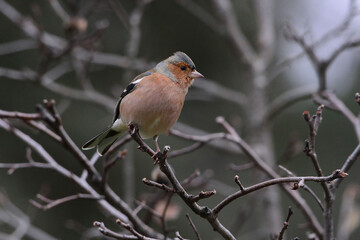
<point>161,186</point>
<point>331,34</point>
<point>287,99</point>
<point>313,124</point>
<point>286,224</point>
<point>53,203</point>
<point>250,153</point>
<point>109,233</point>
<point>193,227</point>
<point>336,174</point>
<point>224,9</point>
<point>348,164</point>
<point>305,187</point>
<point>161,158</point>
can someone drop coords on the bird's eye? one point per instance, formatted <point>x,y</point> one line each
<point>183,68</point>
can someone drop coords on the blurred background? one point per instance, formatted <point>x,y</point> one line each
<point>146,37</point>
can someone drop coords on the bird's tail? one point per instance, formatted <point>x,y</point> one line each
<point>104,140</point>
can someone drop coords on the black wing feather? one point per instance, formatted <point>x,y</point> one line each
<point>130,88</point>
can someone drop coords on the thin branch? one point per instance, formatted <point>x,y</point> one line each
<point>221,92</point>
<point>336,174</point>
<point>348,164</point>
<point>202,195</point>
<point>193,227</point>
<point>331,34</point>
<point>158,185</point>
<point>313,124</point>
<point>286,224</point>
<point>17,46</point>
<point>132,230</point>
<point>225,11</point>
<point>306,188</point>
<point>287,99</point>
<point>251,154</point>
<point>59,10</point>
<point>197,11</point>
<point>108,163</point>
<point>338,105</point>
<point>204,212</point>
<point>109,233</point>
<point>53,203</point>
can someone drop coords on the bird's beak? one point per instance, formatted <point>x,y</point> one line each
<point>196,74</point>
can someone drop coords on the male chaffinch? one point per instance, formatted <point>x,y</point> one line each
<point>152,101</point>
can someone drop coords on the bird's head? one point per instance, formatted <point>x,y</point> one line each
<point>180,68</point>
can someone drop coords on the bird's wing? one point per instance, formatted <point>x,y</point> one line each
<point>130,88</point>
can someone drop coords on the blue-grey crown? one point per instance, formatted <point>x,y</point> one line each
<point>181,57</point>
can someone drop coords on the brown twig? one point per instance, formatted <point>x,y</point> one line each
<point>237,181</point>
<point>202,195</point>
<point>286,224</point>
<point>53,203</point>
<point>158,185</point>
<point>250,153</point>
<point>305,187</point>
<point>313,124</point>
<point>132,230</point>
<point>197,234</point>
<point>204,212</point>
<point>336,174</point>
<point>108,163</point>
<point>110,233</point>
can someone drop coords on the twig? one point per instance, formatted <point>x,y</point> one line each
<point>237,181</point>
<point>313,124</point>
<point>24,116</point>
<point>226,14</point>
<point>243,167</point>
<point>288,98</point>
<point>109,233</point>
<point>158,185</point>
<point>336,174</point>
<point>306,188</point>
<point>53,203</point>
<point>250,153</point>
<point>204,212</point>
<point>17,46</point>
<point>108,163</point>
<point>193,227</point>
<point>202,195</point>
<point>132,230</point>
<point>286,224</point>
<point>347,165</point>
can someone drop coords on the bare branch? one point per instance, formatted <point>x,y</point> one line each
<point>132,230</point>
<point>250,153</point>
<point>336,174</point>
<point>193,227</point>
<point>348,163</point>
<point>305,187</point>
<point>17,46</point>
<point>220,91</point>
<point>204,212</point>
<point>53,203</point>
<point>226,14</point>
<point>286,224</point>
<point>287,99</point>
<point>202,195</point>
<point>109,233</point>
<point>158,185</point>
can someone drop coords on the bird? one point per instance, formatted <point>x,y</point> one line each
<point>152,101</point>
